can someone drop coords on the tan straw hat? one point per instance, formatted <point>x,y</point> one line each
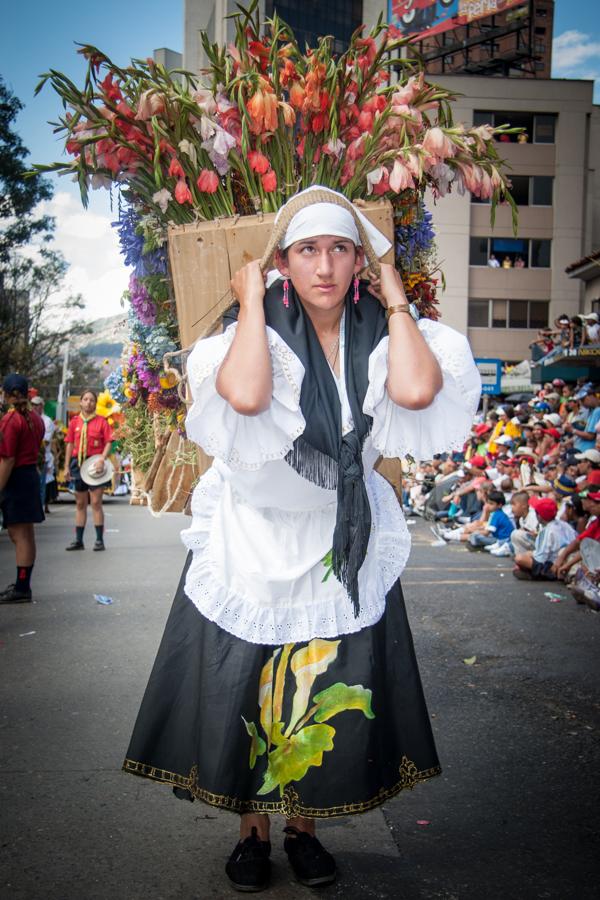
<point>90,477</point>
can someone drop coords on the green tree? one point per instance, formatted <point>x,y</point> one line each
<point>19,196</point>
<point>35,320</point>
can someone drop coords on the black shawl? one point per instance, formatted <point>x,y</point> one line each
<point>322,454</point>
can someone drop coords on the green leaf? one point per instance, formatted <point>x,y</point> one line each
<point>292,759</point>
<point>470,661</point>
<point>339,697</point>
<point>257,745</point>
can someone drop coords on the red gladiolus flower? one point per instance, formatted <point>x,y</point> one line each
<point>258,162</point>
<point>182,192</point>
<point>318,123</point>
<point>208,181</point>
<point>175,169</point>
<point>110,90</point>
<point>300,148</point>
<point>269,181</point>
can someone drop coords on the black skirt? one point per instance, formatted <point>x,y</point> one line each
<point>22,500</point>
<point>319,728</point>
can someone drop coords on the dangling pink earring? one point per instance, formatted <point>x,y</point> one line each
<point>286,293</point>
<point>356,286</point>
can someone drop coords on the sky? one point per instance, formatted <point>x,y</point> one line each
<point>37,36</point>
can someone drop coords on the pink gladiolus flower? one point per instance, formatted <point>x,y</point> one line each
<point>150,104</point>
<point>400,178</point>
<point>205,101</point>
<point>208,181</point>
<point>438,144</point>
<point>410,90</point>
<point>365,120</point>
<point>182,192</point>
<point>374,177</point>
<point>384,185</point>
<point>269,181</point>
<point>175,169</point>
<point>356,149</point>
<point>258,162</point>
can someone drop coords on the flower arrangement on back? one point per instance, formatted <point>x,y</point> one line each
<point>270,121</point>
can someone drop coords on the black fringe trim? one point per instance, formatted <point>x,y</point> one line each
<point>314,465</point>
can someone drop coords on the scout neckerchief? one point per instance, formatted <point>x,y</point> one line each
<point>83,438</point>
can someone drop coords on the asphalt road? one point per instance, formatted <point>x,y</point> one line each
<point>514,815</point>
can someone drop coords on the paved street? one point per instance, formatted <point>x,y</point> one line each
<point>514,815</point>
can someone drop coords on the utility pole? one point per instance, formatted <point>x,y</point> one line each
<point>63,388</point>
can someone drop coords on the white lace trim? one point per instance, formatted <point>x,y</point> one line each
<point>328,612</point>
<point>244,442</point>
<point>445,424</point>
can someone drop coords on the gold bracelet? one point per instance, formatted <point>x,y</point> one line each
<point>404,307</point>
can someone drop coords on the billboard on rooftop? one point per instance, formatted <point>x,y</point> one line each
<point>419,19</point>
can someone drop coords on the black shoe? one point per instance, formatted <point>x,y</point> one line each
<point>249,867</point>
<point>311,862</point>
<point>75,545</point>
<point>12,595</point>
<point>99,545</point>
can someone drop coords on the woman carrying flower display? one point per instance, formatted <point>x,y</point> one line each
<point>286,680</point>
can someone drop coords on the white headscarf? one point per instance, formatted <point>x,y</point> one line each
<point>330,219</point>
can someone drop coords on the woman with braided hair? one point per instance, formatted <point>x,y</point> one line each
<point>286,680</point>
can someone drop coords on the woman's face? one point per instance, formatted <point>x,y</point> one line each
<point>321,269</point>
<point>88,403</point>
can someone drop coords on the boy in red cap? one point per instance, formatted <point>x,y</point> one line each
<point>554,534</point>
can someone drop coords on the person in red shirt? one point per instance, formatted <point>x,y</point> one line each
<point>88,435</point>
<point>571,554</point>
<point>21,436</point>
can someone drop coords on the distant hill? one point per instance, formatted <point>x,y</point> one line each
<point>106,338</point>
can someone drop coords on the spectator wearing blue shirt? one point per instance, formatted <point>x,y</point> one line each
<point>585,439</point>
<point>498,528</point>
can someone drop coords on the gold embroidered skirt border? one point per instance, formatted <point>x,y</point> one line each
<point>289,805</point>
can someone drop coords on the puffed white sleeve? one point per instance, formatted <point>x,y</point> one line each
<point>445,424</point>
<point>244,442</point>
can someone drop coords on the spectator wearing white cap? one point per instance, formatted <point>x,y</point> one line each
<point>588,469</point>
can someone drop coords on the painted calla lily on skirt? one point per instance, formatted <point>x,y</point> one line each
<point>291,750</point>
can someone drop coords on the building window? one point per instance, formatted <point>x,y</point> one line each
<point>499,312</point>
<point>544,131</point>
<point>510,253</point>
<point>538,314</point>
<point>312,19</point>
<point>479,251</point>
<point>518,314</point>
<point>520,189</point>
<point>541,190</point>
<point>534,190</point>
<point>478,316</point>
<point>539,127</point>
<point>540,254</point>
<point>531,314</point>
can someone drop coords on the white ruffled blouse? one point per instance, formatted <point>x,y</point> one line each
<point>260,532</point>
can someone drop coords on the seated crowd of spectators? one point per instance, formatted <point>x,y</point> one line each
<point>527,485</point>
<point>567,333</point>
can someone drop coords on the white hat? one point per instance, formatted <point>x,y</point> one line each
<point>504,439</point>
<point>592,455</point>
<point>39,401</point>
<point>553,418</point>
<point>90,477</point>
